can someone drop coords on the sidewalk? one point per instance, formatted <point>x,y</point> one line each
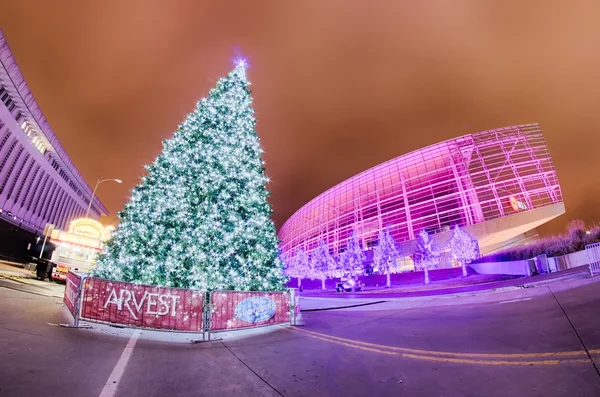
<point>12,269</point>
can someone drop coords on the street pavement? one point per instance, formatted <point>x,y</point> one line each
<point>475,283</point>
<point>528,342</point>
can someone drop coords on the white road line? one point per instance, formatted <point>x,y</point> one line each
<point>110,388</point>
<point>515,300</point>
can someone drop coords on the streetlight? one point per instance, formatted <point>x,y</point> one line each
<point>87,214</point>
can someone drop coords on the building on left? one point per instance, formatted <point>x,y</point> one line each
<point>39,183</point>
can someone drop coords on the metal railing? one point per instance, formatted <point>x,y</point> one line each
<point>131,305</point>
<point>593,254</point>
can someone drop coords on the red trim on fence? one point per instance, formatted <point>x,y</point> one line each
<point>236,309</point>
<point>141,305</point>
<point>72,287</point>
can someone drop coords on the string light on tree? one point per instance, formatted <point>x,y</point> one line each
<point>322,263</point>
<point>427,253</point>
<point>463,248</point>
<point>200,217</point>
<point>352,259</point>
<point>297,266</point>
<point>385,255</point>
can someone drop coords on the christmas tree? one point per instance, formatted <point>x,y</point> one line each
<point>351,260</point>
<point>200,217</point>
<point>463,247</point>
<point>385,255</point>
<point>427,253</point>
<point>322,262</point>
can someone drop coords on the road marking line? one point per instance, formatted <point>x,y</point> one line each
<point>405,350</point>
<point>112,383</point>
<point>514,300</point>
<point>13,278</point>
<point>454,360</point>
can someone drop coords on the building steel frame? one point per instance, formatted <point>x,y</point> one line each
<point>463,181</point>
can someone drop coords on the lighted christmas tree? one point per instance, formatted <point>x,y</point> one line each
<point>385,255</point>
<point>427,253</point>
<point>297,265</point>
<point>200,217</point>
<point>351,260</point>
<point>463,248</point>
<point>322,263</point>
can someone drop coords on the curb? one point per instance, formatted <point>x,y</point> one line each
<point>523,285</point>
<point>565,278</point>
<point>13,278</point>
<point>31,292</point>
<point>341,307</point>
<point>450,295</point>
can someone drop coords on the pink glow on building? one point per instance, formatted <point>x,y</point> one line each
<point>464,181</point>
<point>39,183</point>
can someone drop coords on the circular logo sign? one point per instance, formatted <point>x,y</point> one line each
<point>255,309</point>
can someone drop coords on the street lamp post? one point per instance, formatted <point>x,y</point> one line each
<point>87,214</point>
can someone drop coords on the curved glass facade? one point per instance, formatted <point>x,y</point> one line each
<point>463,181</point>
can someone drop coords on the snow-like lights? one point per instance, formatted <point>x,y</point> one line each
<point>200,218</point>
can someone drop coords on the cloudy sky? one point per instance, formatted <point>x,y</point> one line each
<point>339,85</point>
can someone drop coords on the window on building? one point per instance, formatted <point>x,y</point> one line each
<point>10,169</point>
<point>36,189</point>
<point>39,194</point>
<point>45,200</point>
<point>17,176</point>
<point>10,150</point>
<point>29,185</point>
<point>3,141</point>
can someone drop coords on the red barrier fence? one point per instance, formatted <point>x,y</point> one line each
<point>239,309</point>
<point>139,305</point>
<point>72,290</point>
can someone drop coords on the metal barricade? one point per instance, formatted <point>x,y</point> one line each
<point>593,254</point>
<point>143,306</point>
<point>74,285</point>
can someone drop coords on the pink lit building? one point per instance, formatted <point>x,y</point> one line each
<point>39,183</point>
<point>498,184</point>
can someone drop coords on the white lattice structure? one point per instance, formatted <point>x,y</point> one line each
<point>497,184</point>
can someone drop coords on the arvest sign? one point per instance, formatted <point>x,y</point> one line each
<point>239,309</point>
<point>141,305</point>
<point>255,309</point>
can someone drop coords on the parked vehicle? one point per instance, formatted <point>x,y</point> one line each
<point>349,284</point>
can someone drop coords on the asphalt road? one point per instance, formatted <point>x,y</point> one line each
<point>532,342</point>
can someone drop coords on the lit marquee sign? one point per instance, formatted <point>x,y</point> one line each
<point>107,233</point>
<point>84,231</point>
<point>517,205</point>
<point>86,227</point>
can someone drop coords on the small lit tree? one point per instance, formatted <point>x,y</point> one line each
<point>288,264</point>
<point>463,248</point>
<point>352,259</point>
<point>385,255</point>
<point>322,263</point>
<point>297,266</point>
<point>427,253</point>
